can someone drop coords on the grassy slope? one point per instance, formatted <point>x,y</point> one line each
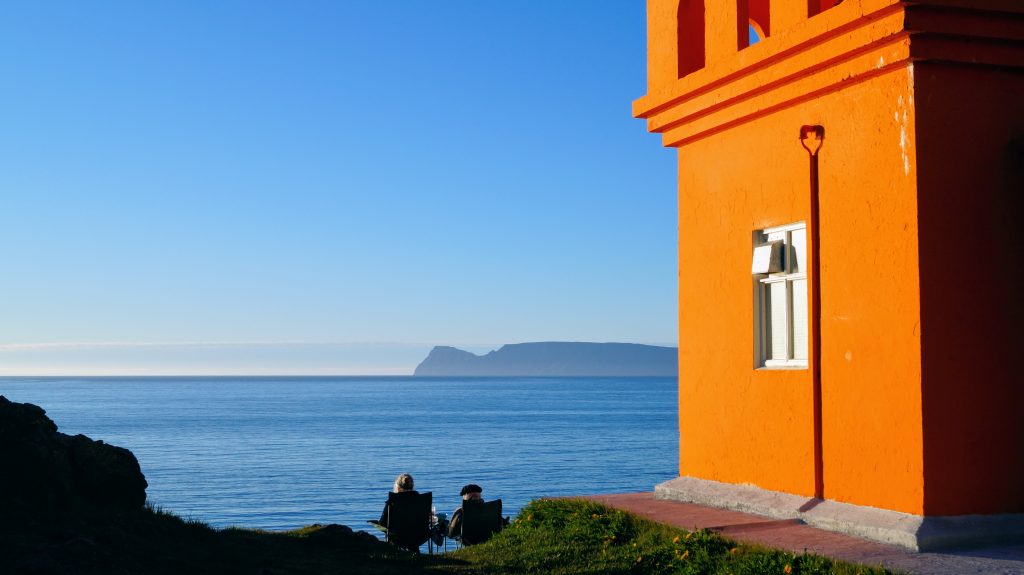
<point>566,537</point>
<point>550,536</point>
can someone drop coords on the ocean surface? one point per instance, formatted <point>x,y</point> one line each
<point>279,452</point>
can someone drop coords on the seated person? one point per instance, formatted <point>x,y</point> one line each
<point>403,484</point>
<point>470,493</point>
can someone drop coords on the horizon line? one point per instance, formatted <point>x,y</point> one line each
<point>256,343</point>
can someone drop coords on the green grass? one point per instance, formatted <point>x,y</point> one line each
<point>575,537</point>
<point>560,537</point>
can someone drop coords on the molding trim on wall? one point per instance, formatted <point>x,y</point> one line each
<point>825,54</point>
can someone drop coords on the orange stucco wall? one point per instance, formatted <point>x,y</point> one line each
<point>870,331</point>
<point>736,425</point>
<point>921,182</point>
<point>744,425</point>
<point>971,193</point>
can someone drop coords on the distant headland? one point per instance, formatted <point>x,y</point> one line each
<point>554,359</point>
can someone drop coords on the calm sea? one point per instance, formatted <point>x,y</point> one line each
<point>279,453</point>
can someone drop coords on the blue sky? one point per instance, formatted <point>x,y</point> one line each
<point>185,175</point>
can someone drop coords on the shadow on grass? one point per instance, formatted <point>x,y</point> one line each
<point>557,537</point>
<point>92,541</point>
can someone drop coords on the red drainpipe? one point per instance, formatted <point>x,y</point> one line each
<point>811,138</point>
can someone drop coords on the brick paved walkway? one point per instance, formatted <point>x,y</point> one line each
<point>795,536</point>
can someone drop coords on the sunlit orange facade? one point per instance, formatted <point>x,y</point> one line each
<point>920,190</point>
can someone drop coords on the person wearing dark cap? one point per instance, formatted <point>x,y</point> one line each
<point>471,494</point>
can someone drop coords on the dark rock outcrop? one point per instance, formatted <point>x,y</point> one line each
<point>44,469</point>
<point>335,534</point>
<point>74,506</point>
<point>555,359</point>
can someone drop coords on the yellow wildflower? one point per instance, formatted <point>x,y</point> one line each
<point>787,569</point>
<point>734,550</point>
<point>594,516</point>
<point>688,535</point>
<point>685,554</point>
<point>639,558</point>
<point>676,539</point>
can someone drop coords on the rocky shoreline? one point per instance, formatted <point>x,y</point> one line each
<point>74,505</point>
<point>50,470</point>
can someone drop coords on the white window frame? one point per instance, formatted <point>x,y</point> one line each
<point>762,343</point>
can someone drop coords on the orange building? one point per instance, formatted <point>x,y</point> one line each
<point>851,259</point>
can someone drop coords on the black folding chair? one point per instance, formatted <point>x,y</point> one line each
<point>480,520</point>
<point>407,522</point>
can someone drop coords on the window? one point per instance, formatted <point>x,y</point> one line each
<point>780,287</point>
<point>753,19</point>
<point>754,33</point>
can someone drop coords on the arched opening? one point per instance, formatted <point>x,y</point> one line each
<point>754,33</point>
<point>815,7</point>
<point>690,36</point>
<point>753,22</point>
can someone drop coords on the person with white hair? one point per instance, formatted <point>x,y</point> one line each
<point>403,484</point>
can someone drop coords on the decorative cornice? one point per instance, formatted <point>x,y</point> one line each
<point>826,54</point>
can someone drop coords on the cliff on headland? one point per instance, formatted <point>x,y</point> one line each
<point>554,359</point>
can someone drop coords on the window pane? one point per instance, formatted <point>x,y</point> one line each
<point>778,331</point>
<point>798,251</point>
<point>800,324</point>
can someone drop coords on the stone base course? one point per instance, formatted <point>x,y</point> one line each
<point>914,532</point>
<point>793,535</point>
